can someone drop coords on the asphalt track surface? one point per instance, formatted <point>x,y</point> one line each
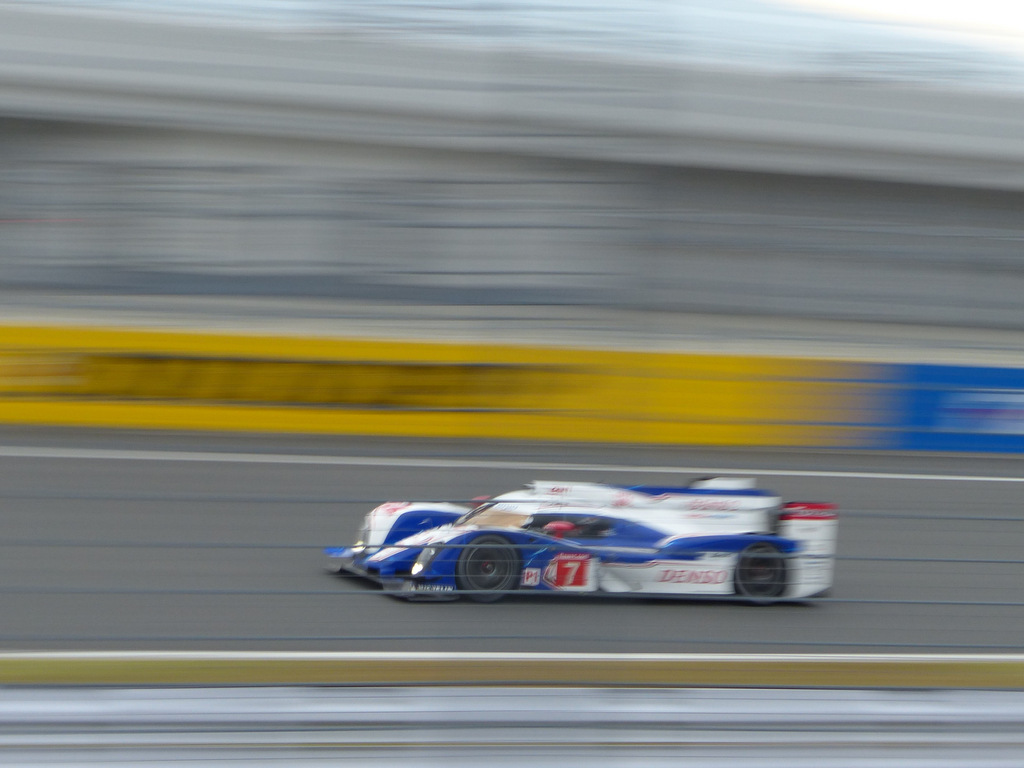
<point>121,540</point>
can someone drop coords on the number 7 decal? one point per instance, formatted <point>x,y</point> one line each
<point>570,571</point>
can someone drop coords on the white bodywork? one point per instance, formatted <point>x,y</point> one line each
<point>381,519</point>
<point>678,515</point>
<point>710,575</point>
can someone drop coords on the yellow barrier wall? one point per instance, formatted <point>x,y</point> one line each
<point>789,671</point>
<point>154,379</point>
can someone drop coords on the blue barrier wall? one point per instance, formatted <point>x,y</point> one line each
<point>958,408</point>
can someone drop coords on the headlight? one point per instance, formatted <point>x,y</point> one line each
<point>426,556</point>
<point>364,534</point>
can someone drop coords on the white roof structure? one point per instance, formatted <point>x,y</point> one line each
<point>735,33</point>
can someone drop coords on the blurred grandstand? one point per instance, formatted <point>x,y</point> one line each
<point>701,172</point>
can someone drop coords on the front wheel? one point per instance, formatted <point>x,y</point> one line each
<point>487,568</point>
<point>761,573</point>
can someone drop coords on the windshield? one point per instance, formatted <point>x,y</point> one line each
<point>491,514</point>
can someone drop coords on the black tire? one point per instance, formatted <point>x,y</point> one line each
<point>487,568</point>
<point>761,573</point>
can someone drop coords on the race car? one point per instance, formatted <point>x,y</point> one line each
<point>716,537</point>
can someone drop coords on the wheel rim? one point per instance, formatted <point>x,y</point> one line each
<point>488,568</point>
<point>761,572</point>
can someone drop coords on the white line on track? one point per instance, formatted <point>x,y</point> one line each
<point>101,454</point>
<point>402,656</point>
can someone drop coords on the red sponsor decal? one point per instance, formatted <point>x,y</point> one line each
<point>391,508</point>
<point>568,570</point>
<point>712,503</point>
<point>686,576</point>
<point>531,577</point>
<point>808,510</point>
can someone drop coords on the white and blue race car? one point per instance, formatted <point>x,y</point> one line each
<point>716,537</point>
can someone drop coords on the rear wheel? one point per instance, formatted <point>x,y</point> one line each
<point>487,568</point>
<point>761,573</point>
